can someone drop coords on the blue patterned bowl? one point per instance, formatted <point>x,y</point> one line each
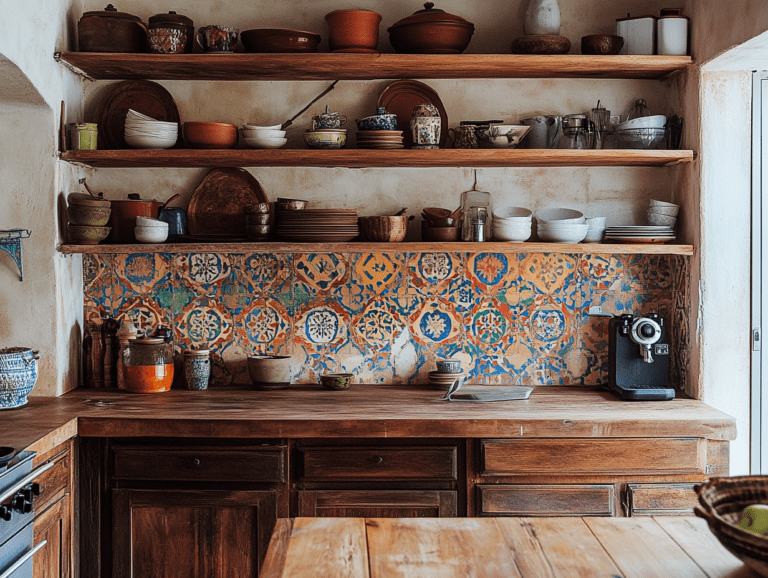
<point>380,121</point>
<point>18,375</point>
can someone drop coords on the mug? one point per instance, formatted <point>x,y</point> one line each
<point>176,217</point>
<point>464,136</point>
<point>215,38</point>
<point>543,133</point>
<point>425,131</point>
<point>331,120</point>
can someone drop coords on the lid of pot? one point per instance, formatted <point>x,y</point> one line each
<point>430,14</point>
<point>170,18</point>
<point>111,12</point>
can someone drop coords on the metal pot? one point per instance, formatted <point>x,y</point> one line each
<point>111,31</point>
<point>124,213</point>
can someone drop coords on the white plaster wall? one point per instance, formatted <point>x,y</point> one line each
<point>45,311</point>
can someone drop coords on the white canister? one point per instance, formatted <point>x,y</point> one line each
<point>639,34</point>
<point>672,33</point>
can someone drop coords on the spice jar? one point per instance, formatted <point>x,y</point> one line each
<point>148,365</point>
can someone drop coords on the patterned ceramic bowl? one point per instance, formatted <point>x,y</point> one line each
<point>379,121</point>
<point>18,375</point>
<point>325,139</point>
<point>337,381</point>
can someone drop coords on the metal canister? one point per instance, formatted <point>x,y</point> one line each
<point>83,136</point>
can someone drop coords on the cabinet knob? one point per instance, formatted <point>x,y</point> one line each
<point>20,504</point>
<point>196,461</point>
<point>6,513</point>
<point>30,491</point>
<point>378,459</point>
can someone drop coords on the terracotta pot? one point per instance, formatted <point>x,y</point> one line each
<point>353,30</point>
<point>124,213</point>
<point>111,31</point>
<point>431,31</point>
<point>210,135</point>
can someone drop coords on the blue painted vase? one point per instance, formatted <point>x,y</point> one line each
<point>18,375</point>
<point>197,369</point>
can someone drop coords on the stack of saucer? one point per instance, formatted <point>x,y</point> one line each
<point>379,139</point>
<point>448,371</point>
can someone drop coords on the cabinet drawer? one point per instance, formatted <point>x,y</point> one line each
<point>385,463</point>
<point>377,504</point>
<point>575,456</point>
<point>256,464</point>
<point>546,500</point>
<point>54,481</point>
<point>661,499</point>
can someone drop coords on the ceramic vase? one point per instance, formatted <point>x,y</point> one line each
<point>542,18</point>
<point>197,369</point>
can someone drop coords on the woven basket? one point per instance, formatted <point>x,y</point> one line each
<point>722,502</point>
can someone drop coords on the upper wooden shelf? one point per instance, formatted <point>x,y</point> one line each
<point>410,247</point>
<point>360,158</point>
<point>101,66</point>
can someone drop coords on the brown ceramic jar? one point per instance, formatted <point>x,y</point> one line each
<point>111,31</point>
<point>431,31</point>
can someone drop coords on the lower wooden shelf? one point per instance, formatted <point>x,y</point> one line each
<point>408,247</point>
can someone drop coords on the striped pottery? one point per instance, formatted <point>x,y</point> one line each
<point>18,375</point>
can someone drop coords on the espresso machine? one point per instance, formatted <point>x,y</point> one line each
<point>638,358</point>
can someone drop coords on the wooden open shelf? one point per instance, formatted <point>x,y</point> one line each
<point>368,66</point>
<point>408,247</point>
<point>359,158</point>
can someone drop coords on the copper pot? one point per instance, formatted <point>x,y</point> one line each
<point>431,31</point>
<point>124,213</point>
<point>111,31</point>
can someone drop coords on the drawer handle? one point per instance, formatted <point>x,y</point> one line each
<point>196,462</point>
<point>378,459</point>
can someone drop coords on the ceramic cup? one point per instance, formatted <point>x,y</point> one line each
<point>197,369</point>
<point>448,366</point>
<point>166,40</point>
<point>464,137</point>
<point>176,217</point>
<point>328,120</point>
<point>216,38</point>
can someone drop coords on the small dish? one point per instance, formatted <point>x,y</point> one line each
<point>337,381</point>
<point>325,139</point>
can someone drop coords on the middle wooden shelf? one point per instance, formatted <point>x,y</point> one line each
<point>359,158</point>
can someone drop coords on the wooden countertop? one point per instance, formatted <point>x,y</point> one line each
<point>498,547</point>
<point>360,412</point>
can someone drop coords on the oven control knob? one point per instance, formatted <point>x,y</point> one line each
<point>29,492</point>
<point>5,513</point>
<point>21,505</point>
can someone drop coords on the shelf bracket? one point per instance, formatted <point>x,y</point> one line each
<point>10,242</point>
<point>57,57</point>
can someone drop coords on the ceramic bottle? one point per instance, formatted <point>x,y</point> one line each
<point>542,18</point>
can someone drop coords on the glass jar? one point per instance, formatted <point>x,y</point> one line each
<point>575,135</point>
<point>148,365</point>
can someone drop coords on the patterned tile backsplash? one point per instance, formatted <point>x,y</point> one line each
<point>510,318</point>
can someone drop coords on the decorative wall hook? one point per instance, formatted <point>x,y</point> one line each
<point>10,242</point>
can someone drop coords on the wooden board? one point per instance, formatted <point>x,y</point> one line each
<point>308,553</point>
<point>362,158</point>
<point>369,66</point>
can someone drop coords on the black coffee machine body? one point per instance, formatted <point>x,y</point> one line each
<point>639,358</point>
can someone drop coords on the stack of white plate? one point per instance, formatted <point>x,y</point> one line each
<point>144,132</point>
<point>663,214</point>
<point>639,234</point>
<point>263,137</point>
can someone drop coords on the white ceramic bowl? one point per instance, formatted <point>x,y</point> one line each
<point>655,121</point>
<point>665,208</point>
<point>264,142</point>
<point>516,234</point>
<point>512,213</point>
<point>564,235</point>
<point>257,127</point>
<point>151,234</point>
<point>661,220</point>
<point>150,222</point>
<point>150,142</point>
<point>594,236</point>
<point>596,223</point>
<point>262,133</point>
<point>560,215</point>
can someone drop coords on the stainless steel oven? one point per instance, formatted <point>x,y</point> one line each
<point>18,491</point>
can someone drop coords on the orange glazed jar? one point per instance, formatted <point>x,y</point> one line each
<point>148,365</point>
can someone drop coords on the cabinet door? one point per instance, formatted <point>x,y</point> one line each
<point>190,533</point>
<point>377,504</point>
<point>54,559</point>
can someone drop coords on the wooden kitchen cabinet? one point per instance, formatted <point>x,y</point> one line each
<point>377,504</point>
<point>546,500</point>
<point>190,533</point>
<point>660,499</point>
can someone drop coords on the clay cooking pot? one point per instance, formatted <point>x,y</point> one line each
<point>353,30</point>
<point>124,213</point>
<point>431,31</point>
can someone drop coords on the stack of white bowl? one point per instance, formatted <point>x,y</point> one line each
<point>561,225</point>
<point>596,230</point>
<point>144,132</point>
<point>663,214</point>
<point>512,224</point>
<point>263,137</point>
<point>149,230</point>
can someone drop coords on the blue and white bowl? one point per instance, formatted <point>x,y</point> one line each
<point>18,375</point>
<point>379,121</point>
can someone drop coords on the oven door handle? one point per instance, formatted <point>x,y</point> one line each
<point>21,561</point>
<point>30,477</point>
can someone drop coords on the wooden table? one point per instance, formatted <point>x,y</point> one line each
<point>664,547</point>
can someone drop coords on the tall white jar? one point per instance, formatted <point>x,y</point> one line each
<point>542,18</point>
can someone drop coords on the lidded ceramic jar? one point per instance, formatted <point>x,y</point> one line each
<point>197,368</point>
<point>170,34</point>
<point>111,31</point>
<point>148,365</point>
<point>431,31</point>
<point>425,126</point>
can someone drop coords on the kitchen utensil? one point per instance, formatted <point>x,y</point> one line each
<point>282,204</point>
<point>143,96</point>
<point>380,121</point>
<point>216,38</point>
<point>507,136</point>
<point>217,205</point>
<point>257,232</point>
<point>400,98</point>
<point>546,44</point>
<point>148,365</point>
<point>122,220</point>
<point>641,138</point>
<point>318,225</point>
<point>289,122</point>
<point>170,33</point>
<point>111,31</point>
<point>481,130</point>
<point>265,142</point>
<point>672,32</point>
<point>475,205</point>
<point>639,34</point>
<point>448,366</point>
<point>176,217</point>
<point>337,381</point>
<point>573,233</point>
<point>559,215</point>
<point>464,136</point>
<point>513,214</point>
<point>257,219</point>
<point>664,207</point>
<point>575,134</point>
<point>431,31</point>
<point>210,135</point>
<point>83,136</point>
<point>326,139</point>
<point>151,235</point>
<point>441,234</point>
<point>544,131</point>
<point>328,120</point>
<point>270,371</point>
<point>279,40</point>
<point>655,218</point>
<point>542,17</point>
<point>426,126</point>
<point>512,232</point>
<point>353,30</point>
<point>601,44</point>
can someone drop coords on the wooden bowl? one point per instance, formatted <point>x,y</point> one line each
<point>84,235</point>
<point>85,215</point>
<point>604,44</point>
<point>384,229</point>
<point>541,44</point>
<point>279,40</point>
<point>435,213</point>
<point>441,234</point>
<point>210,135</point>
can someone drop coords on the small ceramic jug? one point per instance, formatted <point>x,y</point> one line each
<point>216,38</point>
<point>328,120</point>
<point>464,137</point>
<point>197,368</point>
<point>425,126</point>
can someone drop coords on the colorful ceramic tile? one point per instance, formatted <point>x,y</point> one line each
<point>548,272</point>
<point>376,326</point>
<point>548,328</point>
<point>204,323</point>
<point>490,325</point>
<point>649,273</point>
<point>202,271</point>
<point>140,272</point>
<point>97,272</point>
<point>265,273</point>
<point>436,323</point>
<point>492,273</point>
<point>146,315</point>
<point>264,327</point>
<point>322,324</point>
<point>431,273</point>
<point>321,272</point>
<point>374,274</point>
<point>601,272</point>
